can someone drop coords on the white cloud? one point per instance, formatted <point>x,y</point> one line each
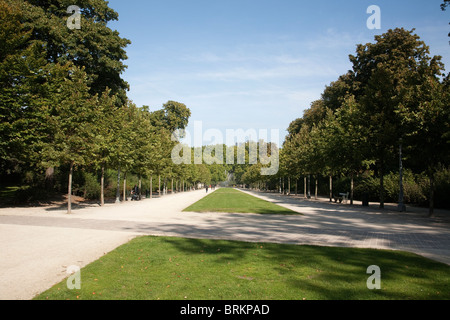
<point>259,85</point>
<point>280,71</point>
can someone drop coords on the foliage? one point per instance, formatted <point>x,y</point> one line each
<point>23,70</point>
<point>63,105</point>
<point>395,94</point>
<point>63,102</point>
<point>415,188</point>
<point>94,47</point>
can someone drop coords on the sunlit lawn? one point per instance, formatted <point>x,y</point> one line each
<point>234,201</point>
<point>151,268</point>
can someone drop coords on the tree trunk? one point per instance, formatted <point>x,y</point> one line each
<point>304,190</point>
<point>381,173</point>
<point>317,187</point>
<point>102,187</point>
<point>159,186</point>
<point>281,186</point>
<point>151,186</point>
<point>289,185</point>
<point>118,186</point>
<point>69,194</point>
<point>331,188</point>
<point>140,187</point>
<point>431,209</point>
<point>352,184</point>
<point>50,178</point>
<point>309,186</point>
<point>125,187</point>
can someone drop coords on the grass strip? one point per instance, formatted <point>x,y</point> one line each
<point>235,201</point>
<point>152,268</point>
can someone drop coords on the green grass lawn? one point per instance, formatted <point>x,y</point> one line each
<point>152,268</point>
<point>234,201</point>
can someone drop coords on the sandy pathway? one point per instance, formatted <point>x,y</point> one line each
<point>38,244</point>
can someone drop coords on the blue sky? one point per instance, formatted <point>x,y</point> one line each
<point>255,64</point>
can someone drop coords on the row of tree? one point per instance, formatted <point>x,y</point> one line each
<point>396,97</point>
<point>63,102</point>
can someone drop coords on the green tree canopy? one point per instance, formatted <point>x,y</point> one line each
<point>383,75</point>
<point>94,47</point>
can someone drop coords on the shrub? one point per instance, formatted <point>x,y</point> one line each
<point>91,186</point>
<point>416,188</point>
<point>369,185</point>
<point>413,192</point>
<point>442,188</point>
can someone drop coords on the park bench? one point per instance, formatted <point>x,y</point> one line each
<point>342,197</point>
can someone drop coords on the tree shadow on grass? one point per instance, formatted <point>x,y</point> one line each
<point>154,266</point>
<point>330,273</point>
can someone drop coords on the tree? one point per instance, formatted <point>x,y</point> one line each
<point>70,115</point>
<point>167,121</point>
<point>296,154</point>
<point>37,52</point>
<point>343,141</point>
<point>334,95</point>
<point>95,47</point>
<point>145,144</point>
<point>289,160</point>
<point>311,116</point>
<point>105,135</point>
<point>252,175</point>
<point>383,74</point>
<point>23,70</point>
<point>203,174</point>
<point>294,128</point>
<point>428,126</point>
<point>218,173</point>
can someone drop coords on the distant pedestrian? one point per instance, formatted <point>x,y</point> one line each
<point>135,193</point>
<point>206,189</point>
